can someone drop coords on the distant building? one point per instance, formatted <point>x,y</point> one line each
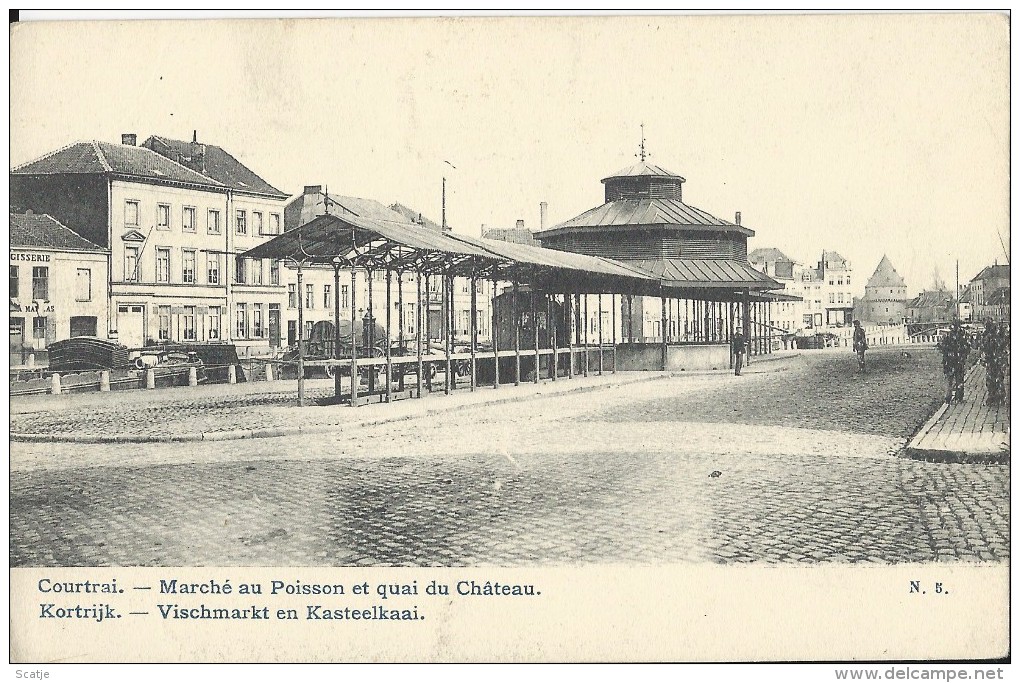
<point>57,285</point>
<point>931,307</point>
<point>788,314</point>
<point>517,234</point>
<point>989,293</point>
<point>885,296</point>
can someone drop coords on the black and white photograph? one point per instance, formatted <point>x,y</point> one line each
<point>313,303</point>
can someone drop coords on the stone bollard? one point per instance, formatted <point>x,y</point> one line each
<point>269,372</point>
<point>192,377</point>
<point>150,379</point>
<point>231,374</point>
<point>104,380</point>
<point>55,383</point>
<point>31,360</point>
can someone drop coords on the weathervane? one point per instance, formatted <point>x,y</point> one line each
<point>643,153</point>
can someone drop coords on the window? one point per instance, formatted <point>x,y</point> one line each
<point>274,223</point>
<point>256,223</point>
<point>241,222</point>
<point>291,296</point>
<point>840,297</point>
<point>188,324</point>
<point>256,271</point>
<point>212,262</point>
<point>188,266</point>
<point>163,216</point>
<point>274,272</point>
<point>327,300</point>
<point>213,222</point>
<point>214,322</point>
<point>848,279</point>
<point>309,296</point>
<point>83,285</point>
<point>344,299</point>
<point>239,270</point>
<point>39,327</point>
<point>41,282</point>
<point>162,264</point>
<point>839,281</point>
<point>242,321</point>
<point>256,321</point>
<point>13,283</point>
<point>188,219</point>
<point>164,322</point>
<point>832,297</point>
<point>131,273</point>
<point>131,213</point>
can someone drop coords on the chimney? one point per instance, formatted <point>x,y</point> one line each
<point>738,218</point>
<point>128,139</point>
<point>313,189</point>
<point>520,224</point>
<point>543,209</point>
<point>483,229</point>
<point>194,136</point>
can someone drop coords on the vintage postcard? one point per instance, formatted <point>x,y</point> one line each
<point>511,339</point>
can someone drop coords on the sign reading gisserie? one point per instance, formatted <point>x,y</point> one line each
<point>27,256</point>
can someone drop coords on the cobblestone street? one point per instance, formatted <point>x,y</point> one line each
<point>804,459</point>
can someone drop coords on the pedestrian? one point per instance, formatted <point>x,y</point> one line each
<point>739,345</point>
<point>994,349</point>
<point>860,343</point>
<point>955,346</point>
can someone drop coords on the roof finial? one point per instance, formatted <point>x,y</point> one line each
<point>643,153</point>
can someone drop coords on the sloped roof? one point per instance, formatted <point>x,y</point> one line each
<point>993,272</point>
<point>663,212</point>
<point>644,169</point>
<point>366,208</point>
<point>512,235</point>
<point>706,273</point>
<point>885,275</point>
<point>932,299</point>
<point>217,164</point>
<point>999,297</point>
<point>98,157</point>
<point>768,254</point>
<point>42,231</point>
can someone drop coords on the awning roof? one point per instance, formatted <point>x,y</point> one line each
<point>376,244</point>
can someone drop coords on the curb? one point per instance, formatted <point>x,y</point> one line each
<point>945,455</point>
<point>272,432</point>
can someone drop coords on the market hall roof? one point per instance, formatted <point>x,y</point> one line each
<point>631,213</point>
<point>644,169</point>
<point>42,231</point>
<point>707,273</point>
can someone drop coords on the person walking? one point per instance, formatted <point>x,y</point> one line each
<point>994,349</point>
<point>739,345</point>
<point>860,343</point>
<point>955,346</point>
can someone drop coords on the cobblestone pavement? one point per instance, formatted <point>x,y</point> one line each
<point>613,476</point>
<point>970,428</point>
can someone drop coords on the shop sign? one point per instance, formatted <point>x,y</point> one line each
<point>21,256</point>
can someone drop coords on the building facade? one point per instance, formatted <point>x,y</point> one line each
<point>173,216</point>
<point>885,300</point>
<point>57,286</point>
<point>989,293</point>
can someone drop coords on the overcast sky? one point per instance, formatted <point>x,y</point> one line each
<point>867,135</point>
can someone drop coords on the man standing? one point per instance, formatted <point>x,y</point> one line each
<point>739,345</point>
<point>994,347</point>
<point>860,343</point>
<point>954,347</point>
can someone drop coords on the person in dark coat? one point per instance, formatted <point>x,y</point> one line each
<point>860,343</point>
<point>994,349</point>
<point>739,346</point>
<point>955,346</point>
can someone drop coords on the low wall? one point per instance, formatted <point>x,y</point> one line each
<point>678,357</point>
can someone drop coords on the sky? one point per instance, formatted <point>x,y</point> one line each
<point>863,134</point>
